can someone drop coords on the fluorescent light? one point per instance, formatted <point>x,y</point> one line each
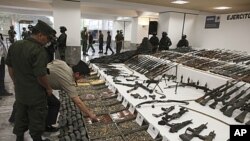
<point>179,2</point>
<point>222,8</point>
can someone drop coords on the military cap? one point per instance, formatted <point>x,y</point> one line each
<point>164,33</point>
<point>44,28</point>
<point>63,28</point>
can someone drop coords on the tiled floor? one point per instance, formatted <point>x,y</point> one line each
<point>7,102</point>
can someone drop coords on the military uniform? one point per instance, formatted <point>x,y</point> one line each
<point>108,46</point>
<point>100,42</point>
<point>62,39</point>
<point>165,42</point>
<point>183,42</point>
<point>84,36</point>
<point>154,40</point>
<point>28,59</point>
<point>12,34</point>
<point>118,39</point>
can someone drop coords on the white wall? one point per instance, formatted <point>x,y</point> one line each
<point>65,14</point>
<point>232,34</point>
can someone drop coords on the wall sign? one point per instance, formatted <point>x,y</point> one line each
<point>238,16</point>
<point>212,22</point>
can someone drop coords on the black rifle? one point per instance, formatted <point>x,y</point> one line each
<point>168,118</point>
<point>124,84</point>
<point>239,103</point>
<point>218,93</point>
<point>233,100</point>
<point>194,132</point>
<point>192,84</point>
<point>241,117</point>
<point>137,85</point>
<point>175,127</point>
<point>208,137</point>
<point>225,96</point>
<point>166,111</point>
<point>210,93</point>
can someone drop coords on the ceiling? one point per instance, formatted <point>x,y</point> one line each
<point>126,8</point>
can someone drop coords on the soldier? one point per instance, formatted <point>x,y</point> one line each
<point>61,41</point>
<point>183,42</point>
<point>24,33</point>
<point>154,40</point>
<point>12,34</point>
<point>118,39</point>
<point>165,42</point>
<point>27,60</point>
<point>108,43</point>
<point>84,36</point>
<point>30,27</point>
<point>91,43</point>
<point>100,42</point>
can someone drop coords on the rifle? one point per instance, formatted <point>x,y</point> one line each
<point>160,101</point>
<point>246,108</point>
<point>225,96</point>
<point>233,100</point>
<point>194,132</point>
<point>239,103</point>
<point>218,93</point>
<point>175,127</point>
<point>210,93</point>
<point>124,84</point>
<point>168,118</point>
<point>208,137</point>
<point>137,85</point>
<point>192,84</point>
<point>166,111</point>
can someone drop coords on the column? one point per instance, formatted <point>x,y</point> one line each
<point>68,14</point>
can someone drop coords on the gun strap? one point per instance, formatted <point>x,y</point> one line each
<point>205,115</point>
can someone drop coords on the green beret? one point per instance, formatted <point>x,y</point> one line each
<point>44,28</point>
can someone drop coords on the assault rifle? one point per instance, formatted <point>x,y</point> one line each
<point>239,103</point>
<point>241,117</point>
<point>233,100</point>
<point>124,84</point>
<point>208,137</point>
<point>191,84</point>
<point>225,96</point>
<point>210,93</point>
<point>194,132</point>
<point>166,111</point>
<point>175,127</point>
<point>217,93</point>
<point>168,118</point>
<point>137,85</point>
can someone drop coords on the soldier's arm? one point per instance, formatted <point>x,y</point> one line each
<point>80,104</point>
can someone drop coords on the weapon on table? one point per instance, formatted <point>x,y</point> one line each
<point>248,123</point>
<point>175,127</point>
<point>166,111</point>
<point>241,117</point>
<point>210,93</point>
<point>124,84</point>
<point>137,85</point>
<point>192,84</point>
<point>138,96</point>
<point>225,96</point>
<point>168,118</point>
<point>208,137</point>
<point>239,103</point>
<point>233,100</point>
<point>194,132</point>
<point>217,93</point>
<point>160,101</point>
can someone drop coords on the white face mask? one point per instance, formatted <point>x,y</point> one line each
<point>47,45</point>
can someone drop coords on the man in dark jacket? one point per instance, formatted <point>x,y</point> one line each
<point>12,34</point>
<point>108,43</point>
<point>183,42</point>
<point>165,42</point>
<point>91,42</point>
<point>61,41</point>
<point>154,40</point>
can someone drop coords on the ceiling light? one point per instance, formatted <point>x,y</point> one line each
<point>179,1</point>
<point>222,7</point>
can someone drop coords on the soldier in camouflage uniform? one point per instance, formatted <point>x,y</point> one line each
<point>27,60</point>
<point>165,42</point>
<point>84,36</point>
